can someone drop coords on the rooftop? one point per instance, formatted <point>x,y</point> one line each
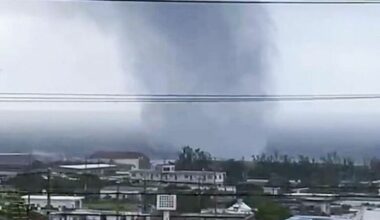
<point>310,217</point>
<point>15,154</point>
<point>87,166</point>
<point>239,208</point>
<point>96,212</point>
<point>189,172</point>
<point>44,197</point>
<point>373,214</point>
<point>300,194</point>
<point>118,155</point>
<point>128,188</point>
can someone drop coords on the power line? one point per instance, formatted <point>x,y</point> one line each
<point>278,2</point>
<point>173,98</point>
<point>39,94</point>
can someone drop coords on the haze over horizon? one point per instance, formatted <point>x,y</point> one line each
<point>115,47</point>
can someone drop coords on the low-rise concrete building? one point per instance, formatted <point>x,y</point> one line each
<point>313,217</point>
<point>96,169</point>
<point>57,202</point>
<point>237,210</point>
<point>130,160</point>
<point>125,192</point>
<point>240,208</point>
<point>89,214</point>
<point>258,182</point>
<point>169,175</point>
<point>113,215</point>
<point>270,190</point>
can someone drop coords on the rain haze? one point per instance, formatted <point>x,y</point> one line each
<point>134,48</point>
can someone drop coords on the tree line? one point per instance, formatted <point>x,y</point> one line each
<point>330,169</point>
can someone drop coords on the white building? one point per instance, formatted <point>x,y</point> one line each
<point>240,208</point>
<point>58,202</point>
<point>258,182</point>
<point>271,190</point>
<point>124,192</point>
<point>170,175</point>
<point>370,214</point>
<point>130,160</point>
<point>310,217</point>
<point>97,169</point>
<point>237,209</point>
<point>224,188</point>
<point>88,214</point>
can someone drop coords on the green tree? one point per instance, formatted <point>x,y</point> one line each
<point>37,183</point>
<point>272,211</point>
<point>328,170</point>
<point>235,170</point>
<point>14,208</point>
<point>190,159</point>
<point>190,200</point>
<point>28,182</point>
<point>267,209</point>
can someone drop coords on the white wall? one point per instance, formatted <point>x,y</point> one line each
<point>178,176</point>
<point>132,194</point>
<point>133,162</point>
<point>89,218</point>
<point>271,190</point>
<point>93,218</point>
<point>71,204</point>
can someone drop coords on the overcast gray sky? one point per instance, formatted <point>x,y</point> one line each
<point>104,47</point>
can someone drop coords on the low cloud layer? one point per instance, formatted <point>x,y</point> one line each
<point>103,47</point>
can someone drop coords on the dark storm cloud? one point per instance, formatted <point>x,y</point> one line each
<point>205,50</point>
<point>210,49</point>
<point>161,48</point>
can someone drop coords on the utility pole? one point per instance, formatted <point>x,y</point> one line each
<point>199,193</point>
<point>48,191</point>
<point>215,192</point>
<point>85,176</point>
<point>28,204</point>
<point>144,197</point>
<point>117,199</point>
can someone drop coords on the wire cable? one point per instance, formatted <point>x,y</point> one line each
<point>277,2</point>
<point>173,98</point>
